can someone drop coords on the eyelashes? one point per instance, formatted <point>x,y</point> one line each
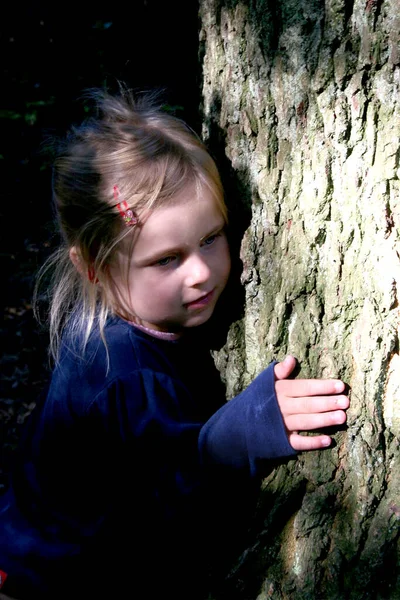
<point>163,262</point>
<point>210,240</point>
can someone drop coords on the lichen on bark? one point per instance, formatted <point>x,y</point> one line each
<point>304,98</point>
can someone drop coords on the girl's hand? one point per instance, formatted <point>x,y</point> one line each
<point>308,404</point>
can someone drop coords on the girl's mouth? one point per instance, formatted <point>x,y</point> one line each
<point>201,302</point>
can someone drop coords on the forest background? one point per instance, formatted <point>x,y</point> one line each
<point>49,57</point>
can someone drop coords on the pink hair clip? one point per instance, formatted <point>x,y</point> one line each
<point>92,275</point>
<point>126,213</point>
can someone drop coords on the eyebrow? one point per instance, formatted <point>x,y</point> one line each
<point>151,258</point>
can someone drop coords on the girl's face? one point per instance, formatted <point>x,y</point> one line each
<point>179,266</point>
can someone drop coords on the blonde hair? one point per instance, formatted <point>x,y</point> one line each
<point>151,156</point>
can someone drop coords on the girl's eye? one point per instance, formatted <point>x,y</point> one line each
<point>163,262</point>
<point>210,240</point>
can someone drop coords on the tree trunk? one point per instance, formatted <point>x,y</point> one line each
<point>302,98</point>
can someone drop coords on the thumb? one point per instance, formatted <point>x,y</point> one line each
<point>283,369</point>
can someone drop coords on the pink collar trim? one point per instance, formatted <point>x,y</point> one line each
<point>162,335</point>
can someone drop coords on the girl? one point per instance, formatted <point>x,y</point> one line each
<point>133,463</point>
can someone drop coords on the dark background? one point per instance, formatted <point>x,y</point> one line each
<point>50,53</point>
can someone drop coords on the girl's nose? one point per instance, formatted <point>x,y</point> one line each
<point>198,271</point>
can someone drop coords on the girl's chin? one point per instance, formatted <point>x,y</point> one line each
<point>200,318</point>
<point>193,318</point>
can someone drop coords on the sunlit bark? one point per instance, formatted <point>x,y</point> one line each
<point>303,96</point>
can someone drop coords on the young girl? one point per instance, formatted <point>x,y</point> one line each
<point>133,465</point>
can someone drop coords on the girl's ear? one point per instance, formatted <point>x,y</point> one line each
<point>76,259</point>
<point>80,266</point>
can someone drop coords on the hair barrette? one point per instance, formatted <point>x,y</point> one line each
<point>92,274</point>
<point>126,213</point>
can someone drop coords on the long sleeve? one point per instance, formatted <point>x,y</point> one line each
<point>247,429</point>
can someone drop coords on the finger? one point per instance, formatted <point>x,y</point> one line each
<point>307,442</point>
<point>313,404</point>
<point>283,369</point>
<point>297,388</point>
<point>314,421</point>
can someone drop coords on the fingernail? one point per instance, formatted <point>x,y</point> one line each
<point>341,402</point>
<point>339,386</point>
<point>326,441</point>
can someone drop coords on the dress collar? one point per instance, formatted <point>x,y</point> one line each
<point>162,335</point>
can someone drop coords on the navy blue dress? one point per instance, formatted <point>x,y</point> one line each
<point>132,469</point>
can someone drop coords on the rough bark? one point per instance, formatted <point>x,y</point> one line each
<point>303,99</point>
